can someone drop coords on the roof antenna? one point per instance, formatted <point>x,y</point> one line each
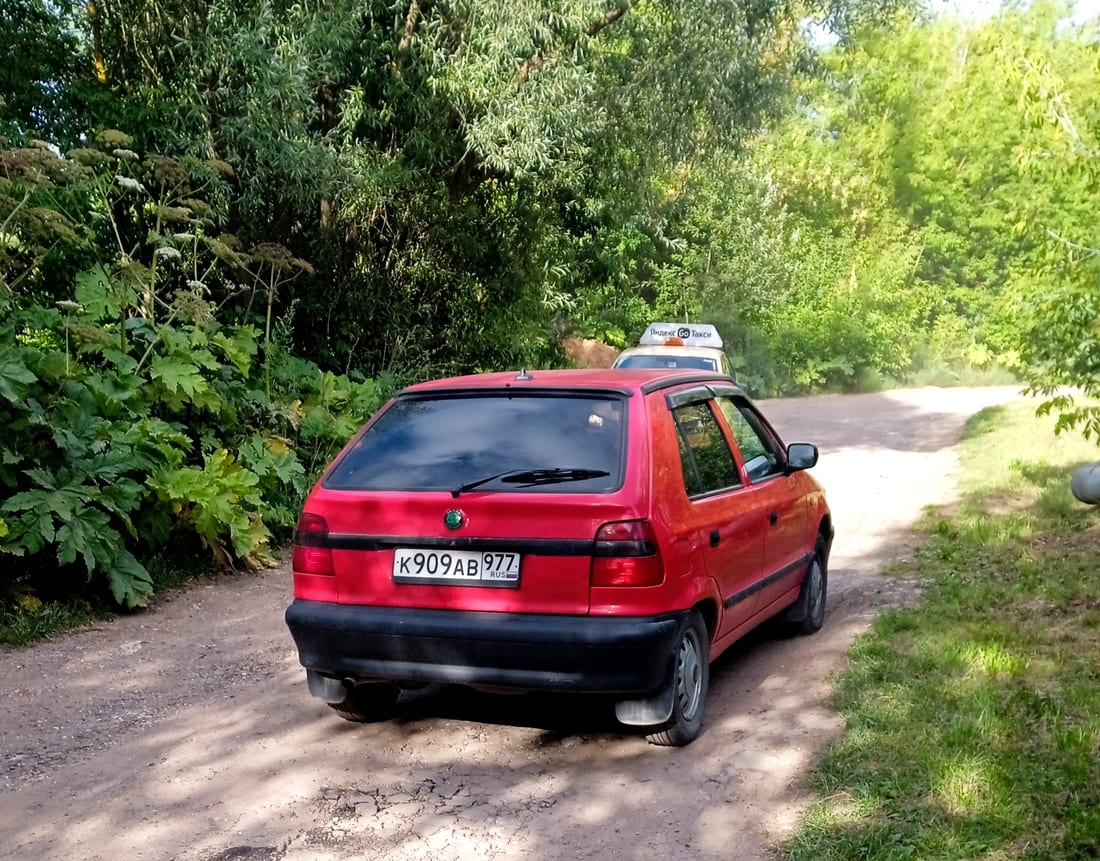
<point>524,376</point>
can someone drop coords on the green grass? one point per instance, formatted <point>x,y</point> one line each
<point>26,621</point>
<point>973,719</point>
<point>28,617</point>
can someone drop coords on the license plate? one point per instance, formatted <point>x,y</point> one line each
<point>457,567</point>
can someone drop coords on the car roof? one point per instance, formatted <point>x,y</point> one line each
<point>624,380</point>
<point>673,350</point>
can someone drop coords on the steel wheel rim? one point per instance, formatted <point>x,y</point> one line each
<point>689,676</point>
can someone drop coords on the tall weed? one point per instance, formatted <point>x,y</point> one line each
<point>136,419</point>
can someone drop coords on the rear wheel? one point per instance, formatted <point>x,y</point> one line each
<point>368,703</point>
<point>690,681</point>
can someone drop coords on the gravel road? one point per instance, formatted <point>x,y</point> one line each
<point>186,732</point>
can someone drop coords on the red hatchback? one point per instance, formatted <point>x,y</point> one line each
<point>575,531</point>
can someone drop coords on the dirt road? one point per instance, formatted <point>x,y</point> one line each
<point>186,732</point>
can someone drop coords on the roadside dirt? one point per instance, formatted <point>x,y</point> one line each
<point>186,732</point>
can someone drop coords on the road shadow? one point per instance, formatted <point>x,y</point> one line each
<point>561,715</point>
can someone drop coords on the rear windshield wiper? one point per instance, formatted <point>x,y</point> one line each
<point>557,475</point>
<point>475,484</point>
<point>534,477</point>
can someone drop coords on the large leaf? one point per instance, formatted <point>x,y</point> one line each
<point>99,299</point>
<point>204,359</point>
<point>238,346</point>
<point>129,581</point>
<point>47,505</point>
<point>86,535</point>
<point>15,378</point>
<point>33,528</point>
<point>178,376</point>
<point>216,501</point>
<point>169,443</point>
<point>113,392</point>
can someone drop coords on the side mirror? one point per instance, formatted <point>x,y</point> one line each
<point>801,455</point>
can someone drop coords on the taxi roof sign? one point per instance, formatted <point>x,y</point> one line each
<point>687,334</point>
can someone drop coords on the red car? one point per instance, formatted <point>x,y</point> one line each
<point>608,531</point>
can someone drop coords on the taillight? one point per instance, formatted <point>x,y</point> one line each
<point>311,553</point>
<point>625,554</point>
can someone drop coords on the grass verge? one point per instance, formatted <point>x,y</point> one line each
<point>973,719</point>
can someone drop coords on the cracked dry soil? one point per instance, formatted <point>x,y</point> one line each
<point>186,731</point>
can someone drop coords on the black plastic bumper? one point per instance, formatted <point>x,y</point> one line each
<point>527,652</point>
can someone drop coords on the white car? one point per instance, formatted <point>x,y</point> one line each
<point>678,345</point>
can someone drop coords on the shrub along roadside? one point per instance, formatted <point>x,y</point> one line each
<point>973,719</point>
<point>109,461</point>
<point>141,416</point>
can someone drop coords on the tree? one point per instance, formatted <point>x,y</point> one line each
<point>1059,307</point>
<point>42,53</point>
<point>457,170</point>
<point>895,176</point>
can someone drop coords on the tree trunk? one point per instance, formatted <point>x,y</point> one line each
<point>97,41</point>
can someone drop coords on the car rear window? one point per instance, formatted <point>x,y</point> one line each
<point>536,442</point>
<point>697,363</point>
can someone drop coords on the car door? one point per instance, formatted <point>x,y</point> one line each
<point>721,514</point>
<point>775,496</point>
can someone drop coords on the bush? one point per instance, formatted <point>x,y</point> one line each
<point>135,418</point>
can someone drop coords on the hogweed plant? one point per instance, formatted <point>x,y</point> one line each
<point>135,416</point>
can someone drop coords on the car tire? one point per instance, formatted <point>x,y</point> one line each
<point>368,703</point>
<point>689,677</point>
<point>817,584</point>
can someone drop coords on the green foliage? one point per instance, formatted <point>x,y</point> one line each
<point>222,497</point>
<point>74,510</point>
<point>25,619</point>
<point>43,53</point>
<point>458,175</point>
<point>1055,303</point>
<point>971,724</point>
<point>887,227</point>
<point>471,181</point>
<point>135,418</point>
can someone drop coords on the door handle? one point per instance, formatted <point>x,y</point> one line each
<point>715,538</point>
<point>773,518</point>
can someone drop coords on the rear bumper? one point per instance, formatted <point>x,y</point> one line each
<point>527,652</point>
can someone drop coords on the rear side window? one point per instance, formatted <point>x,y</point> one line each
<point>536,442</point>
<point>704,453</point>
